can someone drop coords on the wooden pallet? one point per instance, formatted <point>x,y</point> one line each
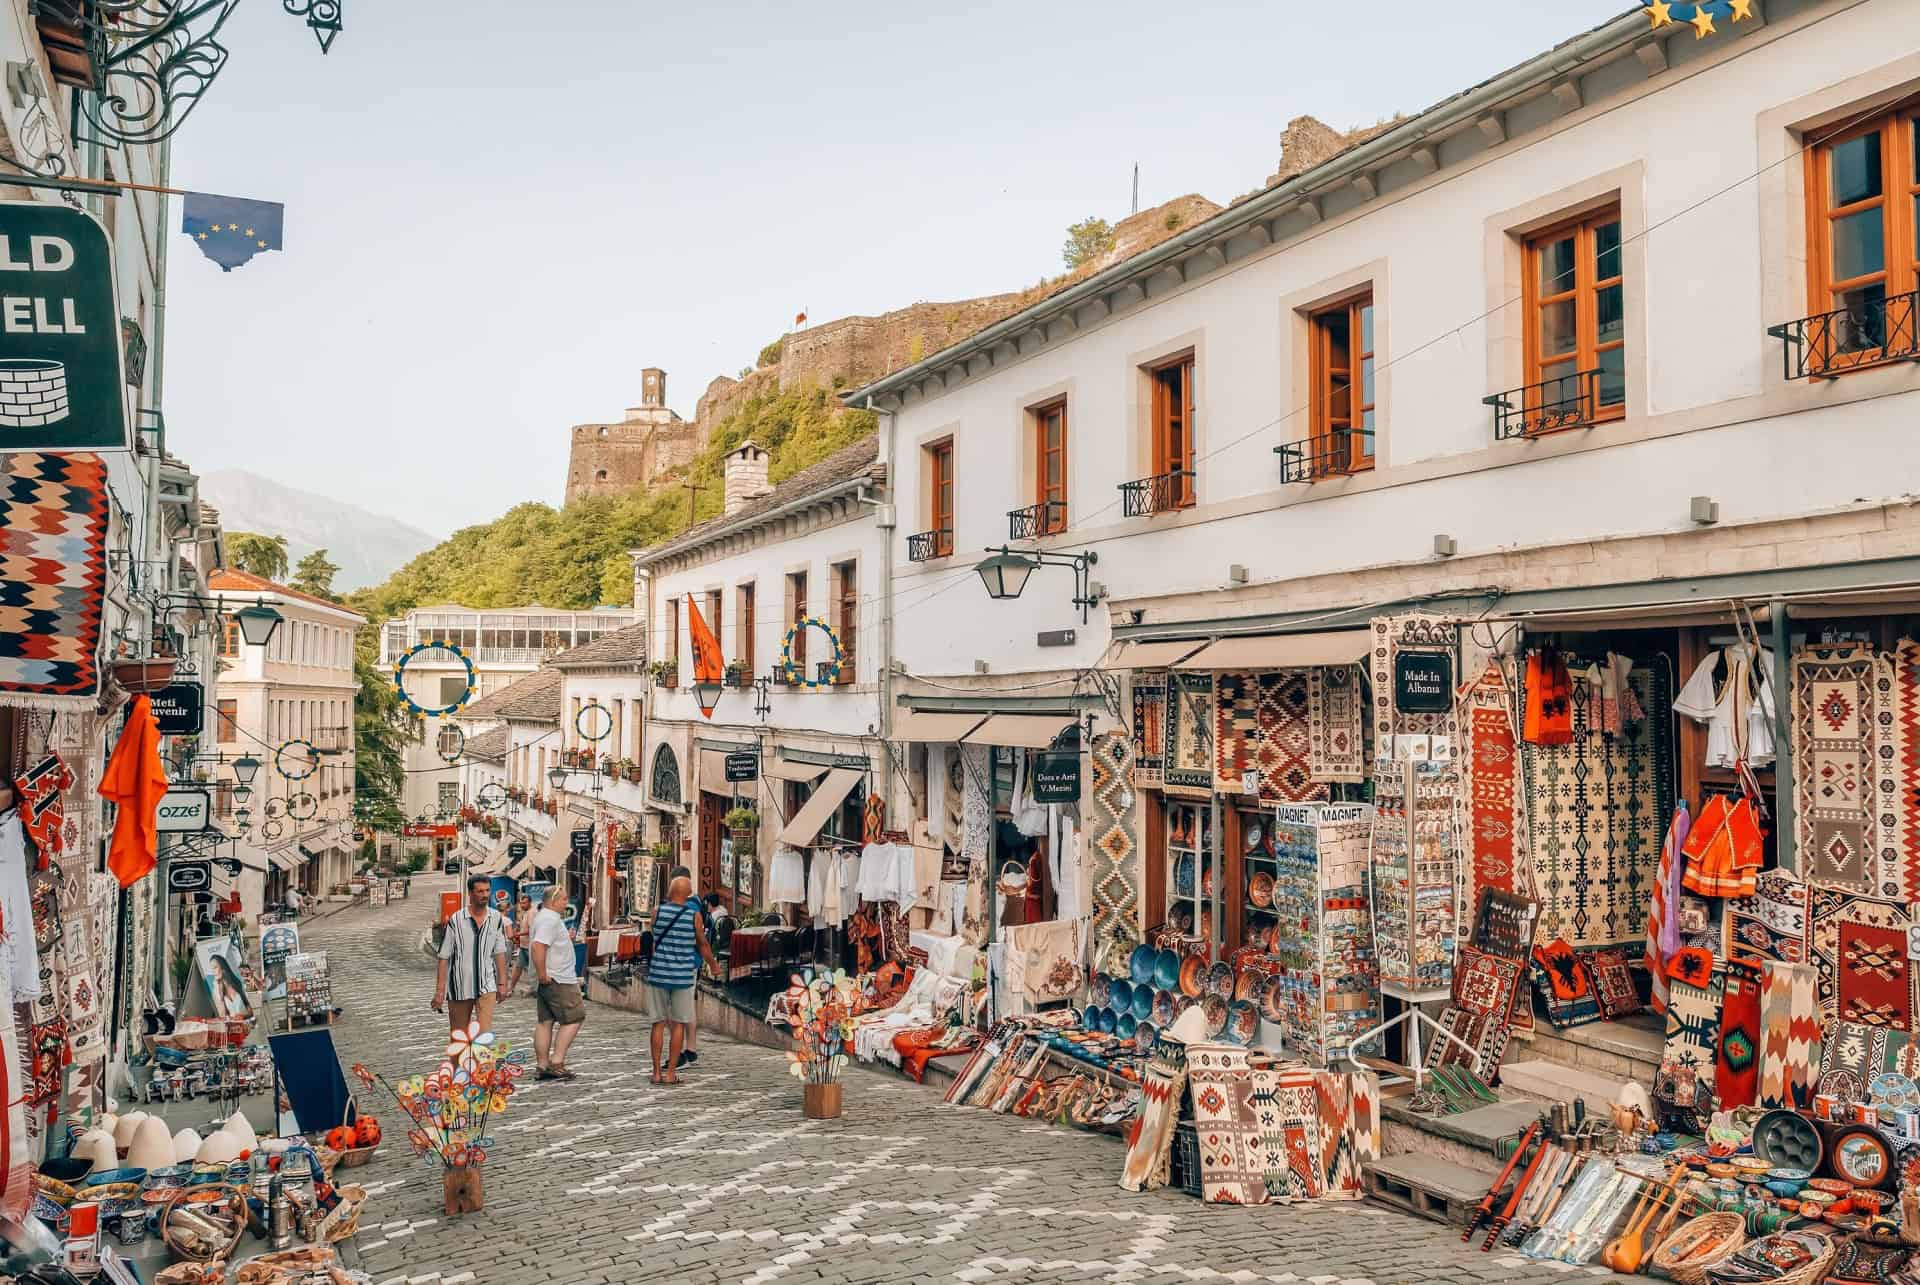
<point>1427,1187</point>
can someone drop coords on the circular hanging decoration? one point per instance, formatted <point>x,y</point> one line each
<point>276,807</point>
<point>311,762</point>
<point>791,673</point>
<point>593,721</point>
<point>272,830</point>
<point>492,796</point>
<point>450,742</point>
<point>400,677</point>
<point>1700,16</point>
<point>303,806</point>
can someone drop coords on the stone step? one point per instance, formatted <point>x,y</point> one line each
<point>1555,1082</point>
<point>1466,1140</point>
<point>1626,1050</point>
<point>1428,1187</point>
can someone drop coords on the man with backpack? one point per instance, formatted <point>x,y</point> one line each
<point>679,947</point>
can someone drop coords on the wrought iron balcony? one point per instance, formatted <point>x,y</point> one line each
<point>1828,344</point>
<point>1334,454</point>
<point>930,544</point>
<point>1161,493</point>
<point>1566,401</point>
<point>1037,520</point>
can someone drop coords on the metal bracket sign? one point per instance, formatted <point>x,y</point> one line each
<point>184,811</point>
<point>743,767</point>
<point>516,851</point>
<point>62,372</point>
<point>189,876</point>
<point>179,708</point>
<point>582,842</point>
<point>1056,777</point>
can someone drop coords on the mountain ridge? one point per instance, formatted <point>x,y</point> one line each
<point>368,546</point>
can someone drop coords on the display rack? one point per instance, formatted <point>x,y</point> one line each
<point>1328,979</point>
<point>309,988</point>
<point>1190,843</point>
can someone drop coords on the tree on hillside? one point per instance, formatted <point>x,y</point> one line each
<point>315,574</point>
<point>260,555</point>
<point>1088,239</point>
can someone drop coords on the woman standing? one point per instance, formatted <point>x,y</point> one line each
<point>519,926</point>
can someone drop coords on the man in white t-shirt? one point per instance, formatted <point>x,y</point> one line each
<point>560,1008</point>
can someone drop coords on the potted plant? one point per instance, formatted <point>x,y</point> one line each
<point>144,676</point>
<point>745,823</point>
<point>738,674</point>
<point>665,673</point>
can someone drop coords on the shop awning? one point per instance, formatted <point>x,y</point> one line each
<point>923,725</point>
<point>1151,655</point>
<point>1282,651</point>
<point>250,857</point>
<point>554,852</point>
<point>1028,731</point>
<point>285,861</point>
<point>788,770</point>
<point>826,800</point>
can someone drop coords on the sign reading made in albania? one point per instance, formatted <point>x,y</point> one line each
<point>62,381</point>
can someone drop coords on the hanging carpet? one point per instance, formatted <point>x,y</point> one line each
<point>1495,820</point>
<point>1736,1067</point>
<point>1852,1055</point>
<point>1335,708</point>
<point>1236,727</point>
<point>1899,784</point>
<point>1859,946</point>
<point>1284,750</point>
<point>1150,1138</point>
<point>1149,728</point>
<point>976,837</point>
<point>1772,923</point>
<point>1189,731</point>
<point>53,574</point>
<point>1789,1034</point>
<point>1836,765</point>
<point>1110,826</point>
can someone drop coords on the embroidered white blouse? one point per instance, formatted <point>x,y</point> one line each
<point>1738,725</point>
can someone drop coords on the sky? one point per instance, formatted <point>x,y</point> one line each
<point>499,212</point>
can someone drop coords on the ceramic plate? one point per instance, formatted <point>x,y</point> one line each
<point>1220,980</point>
<point>1260,890</point>
<point>1206,881</point>
<point>1253,837</point>
<point>1090,1017</point>
<point>1166,970</point>
<point>1163,1007</point>
<point>1142,1003</point>
<point>1216,1010</point>
<point>1120,996</point>
<point>1251,986</point>
<point>1892,1089</point>
<point>1108,1020</point>
<point>1143,1034</point>
<point>1183,1002</point>
<point>1180,919</point>
<point>1140,966</point>
<point>1190,969</point>
<point>1100,989</point>
<point>1126,1026</point>
<point>1273,1000</point>
<point>1183,875</point>
<point>1243,1022</point>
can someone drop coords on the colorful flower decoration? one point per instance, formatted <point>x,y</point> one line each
<point>820,1013</point>
<point>450,1106</point>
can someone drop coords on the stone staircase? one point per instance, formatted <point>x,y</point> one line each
<point>1587,1062</point>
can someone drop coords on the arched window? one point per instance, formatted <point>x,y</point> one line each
<point>665,787</point>
<point>600,475</point>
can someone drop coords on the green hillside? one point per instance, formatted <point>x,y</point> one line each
<point>577,556</point>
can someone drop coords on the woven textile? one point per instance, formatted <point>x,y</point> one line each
<point>1685,1078</point>
<point>53,569</point>
<point>976,837</point>
<point>1494,817</point>
<point>1789,1034</point>
<point>1772,923</point>
<point>1236,727</point>
<point>1110,825</point>
<point>1480,1010</point>
<point>1613,983</point>
<point>1283,752</point>
<point>1736,1067</point>
<point>1503,924</point>
<point>1835,691</point>
<point>1226,1122</point>
<point>1286,1107</point>
<point>1150,1138</point>
<point>1859,946</point>
<point>1149,728</point>
<point>1189,731</point>
<point>1335,708</point>
<point>1565,985</point>
<point>1852,1055</point>
<point>1899,780</point>
<point>1598,809</point>
<point>1339,1153</point>
<point>1394,634</point>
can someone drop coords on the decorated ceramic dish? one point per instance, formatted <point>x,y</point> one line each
<point>1892,1089</point>
<point>1862,1155</point>
<point>1090,1017</point>
<point>1120,996</point>
<point>112,1177</point>
<point>1832,1186</point>
<point>1140,965</point>
<point>1180,919</point>
<point>1100,988</point>
<point>1143,1034</point>
<point>1166,969</point>
<point>1206,880</point>
<point>1126,1026</point>
<point>1163,1007</point>
<point>1220,980</point>
<point>1215,1009</point>
<point>1190,970</point>
<point>1243,1022</point>
<point>1260,890</point>
<point>1788,1140</point>
<point>1142,1003</point>
<point>1108,1021</point>
<point>1183,875</point>
<point>1250,986</point>
<point>1183,1001</point>
<point>1273,1000</point>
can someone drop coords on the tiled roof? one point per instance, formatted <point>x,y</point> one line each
<point>621,647</point>
<point>490,745</point>
<point>841,467</point>
<point>234,580</point>
<point>535,697</point>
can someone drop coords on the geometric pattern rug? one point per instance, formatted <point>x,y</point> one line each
<point>53,572</point>
<point>1480,1012</point>
<point>1334,711</point>
<point>1226,1123</point>
<point>1789,1035</point>
<point>1236,727</point>
<point>1288,1112</point>
<point>1189,731</point>
<point>1837,695</point>
<point>1770,924</point>
<point>1859,946</point>
<point>1110,823</point>
<point>1284,749</point>
<point>1495,820</point>
<point>1900,783</point>
<point>1149,728</point>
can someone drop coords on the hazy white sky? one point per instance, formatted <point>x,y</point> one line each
<point>498,212</point>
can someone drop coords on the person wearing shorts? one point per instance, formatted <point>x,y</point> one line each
<point>559,1008</point>
<point>679,947</point>
<point>472,970</point>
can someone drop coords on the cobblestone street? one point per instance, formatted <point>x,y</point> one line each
<point>611,1179</point>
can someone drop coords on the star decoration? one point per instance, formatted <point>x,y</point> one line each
<point>261,244</point>
<point>1702,22</point>
<point>249,231</point>
<point>203,236</point>
<point>1742,9</point>
<point>233,227</point>
<point>1660,12</point>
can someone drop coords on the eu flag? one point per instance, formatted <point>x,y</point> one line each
<point>230,229</point>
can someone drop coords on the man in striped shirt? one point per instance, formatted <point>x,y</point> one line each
<point>473,961</point>
<point>679,944</point>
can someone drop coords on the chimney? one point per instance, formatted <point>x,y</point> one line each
<point>653,388</point>
<point>746,476</point>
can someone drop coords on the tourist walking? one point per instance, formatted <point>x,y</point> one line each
<point>559,1007</point>
<point>520,926</point>
<point>473,961</point>
<point>679,946</point>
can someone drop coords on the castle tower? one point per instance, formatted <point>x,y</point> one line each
<point>609,458</point>
<point>653,388</point>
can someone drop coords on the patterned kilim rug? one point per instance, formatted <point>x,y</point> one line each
<point>1772,923</point>
<point>1226,1123</point>
<point>1480,1012</point>
<point>1900,783</point>
<point>1110,823</point>
<point>1852,1055</point>
<point>1597,810</point>
<point>1335,708</point>
<point>1685,1079</point>
<point>1339,1152</point>
<point>1859,947</point>
<point>1150,1141</point>
<point>1287,1109</point>
<point>1190,731</point>
<point>1789,1034</point>
<point>1736,1067</point>
<point>1835,690</point>
<point>1236,727</point>
<point>1149,728</point>
<point>1283,750</point>
<point>53,573</point>
<point>1495,819</point>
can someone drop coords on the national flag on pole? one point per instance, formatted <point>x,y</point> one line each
<point>230,229</point>
<point>708,667</point>
<point>800,318</point>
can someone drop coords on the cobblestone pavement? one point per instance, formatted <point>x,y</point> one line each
<point>611,1179</point>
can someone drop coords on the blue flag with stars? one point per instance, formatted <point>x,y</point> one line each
<point>229,229</point>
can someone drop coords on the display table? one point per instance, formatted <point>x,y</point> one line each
<point>761,948</point>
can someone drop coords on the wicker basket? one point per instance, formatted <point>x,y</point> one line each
<point>1813,1272</point>
<point>357,1156</point>
<point>1729,1228</point>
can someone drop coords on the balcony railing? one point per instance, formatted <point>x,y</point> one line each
<point>331,740</point>
<point>930,544</point>
<point>1335,454</point>
<point>1037,520</point>
<point>1828,344</point>
<point>1566,401</point>
<point>1160,493</point>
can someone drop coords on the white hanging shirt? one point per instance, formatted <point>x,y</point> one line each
<point>18,950</point>
<point>1737,724</point>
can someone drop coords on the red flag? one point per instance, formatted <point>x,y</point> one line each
<point>708,667</point>
<point>799,318</point>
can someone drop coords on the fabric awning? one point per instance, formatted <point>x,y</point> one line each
<point>250,857</point>
<point>285,861</point>
<point>554,852</point>
<point>788,770</point>
<point>1283,651</point>
<point>833,791</point>
<point>1151,655</point>
<point>1029,731</point>
<point>923,725</point>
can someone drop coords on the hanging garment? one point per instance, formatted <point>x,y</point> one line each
<point>876,872</point>
<point>18,950</point>
<point>787,877</point>
<point>1663,907</point>
<point>1029,817</point>
<point>1615,707</point>
<point>905,877</point>
<point>937,793</point>
<point>1739,712</point>
<point>976,839</point>
<point>873,819</point>
<point>135,779</point>
<point>1549,715</point>
<point>1725,850</point>
<point>41,789</point>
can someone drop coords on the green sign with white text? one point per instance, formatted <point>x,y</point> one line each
<point>62,386</point>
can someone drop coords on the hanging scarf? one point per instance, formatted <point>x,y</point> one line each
<point>135,780</point>
<point>1549,715</point>
<point>1663,907</point>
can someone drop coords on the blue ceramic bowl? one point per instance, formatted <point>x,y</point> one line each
<point>1166,969</point>
<point>1126,1026</point>
<point>112,1176</point>
<point>1141,964</point>
<point>1142,1003</point>
<point>1120,996</point>
<point>1108,1021</point>
<point>171,1176</point>
<point>1090,1017</point>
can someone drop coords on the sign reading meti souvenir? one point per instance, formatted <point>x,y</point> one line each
<point>178,708</point>
<point>62,382</point>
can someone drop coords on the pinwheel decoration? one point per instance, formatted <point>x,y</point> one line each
<point>450,1106</point>
<point>820,1010</point>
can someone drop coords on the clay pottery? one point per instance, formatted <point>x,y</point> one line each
<point>152,1146</point>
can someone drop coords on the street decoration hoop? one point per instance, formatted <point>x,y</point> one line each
<point>275,807</point>
<point>272,830</point>
<point>790,673</point>
<point>303,806</point>
<point>311,762</point>
<point>400,678</point>
<point>593,707</point>
<point>450,742</point>
<point>491,797</point>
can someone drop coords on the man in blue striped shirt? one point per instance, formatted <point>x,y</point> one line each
<point>679,945</point>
